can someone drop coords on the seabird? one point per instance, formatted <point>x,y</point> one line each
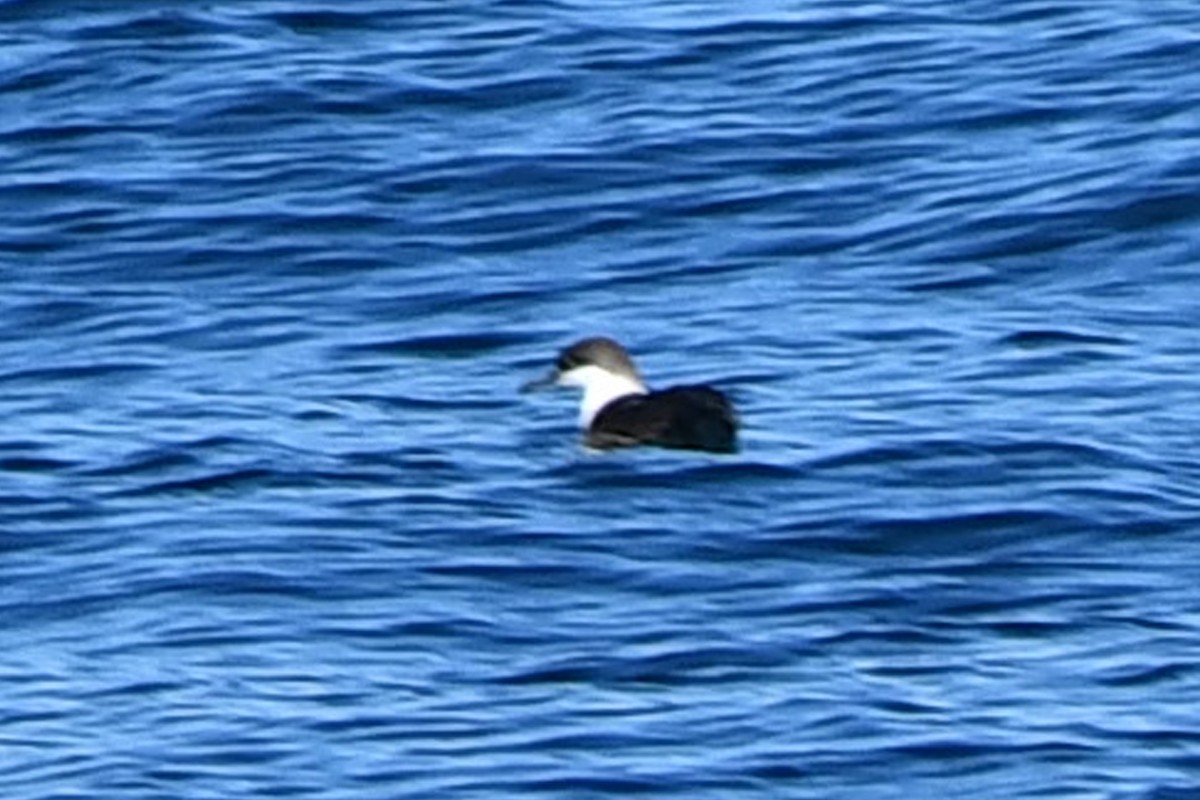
<point>618,410</point>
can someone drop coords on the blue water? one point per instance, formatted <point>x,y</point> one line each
<point>275,522</point>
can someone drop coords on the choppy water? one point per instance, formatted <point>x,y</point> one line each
<point>275,522</point>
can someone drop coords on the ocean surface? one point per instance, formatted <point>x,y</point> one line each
<point>275,520</point>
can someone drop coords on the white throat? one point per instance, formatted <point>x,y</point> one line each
<point>600,387</point>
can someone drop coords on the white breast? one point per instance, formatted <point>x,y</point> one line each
<point>600,387</point>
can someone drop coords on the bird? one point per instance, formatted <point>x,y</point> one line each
<point>619,410</point>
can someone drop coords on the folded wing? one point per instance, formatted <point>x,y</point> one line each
<point>684,417</point>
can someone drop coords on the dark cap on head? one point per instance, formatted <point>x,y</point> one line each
<point>601,352</point>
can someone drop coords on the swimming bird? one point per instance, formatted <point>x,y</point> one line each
<point>618,410</point>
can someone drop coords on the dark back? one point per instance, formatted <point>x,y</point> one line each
<point>683,417</point>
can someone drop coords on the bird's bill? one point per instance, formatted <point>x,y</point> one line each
<point>547,381</point>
